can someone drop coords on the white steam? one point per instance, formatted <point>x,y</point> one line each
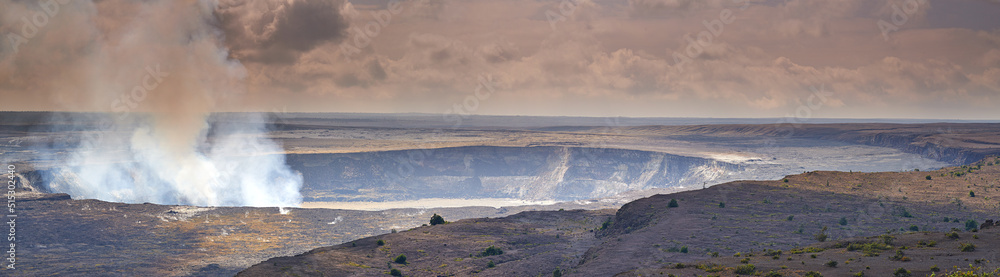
<point>238,167</point>
<point>156,69</point>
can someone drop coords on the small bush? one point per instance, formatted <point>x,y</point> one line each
<point>971,225</point>
<point>745,261</point>
<point>935,268</point>
<point>813,274</point>
<point>790,218</point>
<point>557,273</point>
<point>901,272</point>
<point>491,264</point>
<point>785,180</point>
<point>967,247</point>
<point>395,272</point>
<point>684,249</point>
<point>491,251</point>
<point>898,256</point>
<point>745,269</point>
<point>887,239</point>
<point>952,235</point>
<point>905,213</point>
<point>672,204</point>
<point>380,242</point>
<point>972,193</point>
<point>843,221</point>
<point>722,204</point>
<point>931,243</point>
<point>914,228</point>
<point>821,236</point>
<point>401,259</point>
<point>928,177</point>
<point>831,263</point>
<point>437,219</point>
<point>772,273</point>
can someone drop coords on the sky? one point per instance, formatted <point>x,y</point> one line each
<point>637,58</point>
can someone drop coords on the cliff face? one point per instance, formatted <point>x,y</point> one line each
<point>954,143</point>
<point>923,145</point>
<point>648,236</point>
<point>559,173</point>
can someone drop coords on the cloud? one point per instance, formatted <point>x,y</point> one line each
<point>762,64</point>
<point>279,31</point>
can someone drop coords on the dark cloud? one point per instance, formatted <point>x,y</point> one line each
<point>278,32</point>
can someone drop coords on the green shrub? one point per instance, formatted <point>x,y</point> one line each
<point>967,247</point>
<point>437,219</point>
<point>401,259</point>
<point>745,269</point>
<point>491,251</point>
<point>821,236</point>
<point>491,264</point>
<point>557,273</point>
<point>887,239</point>
<point>722,204</point>
<point>952,235</point>
<point>971,225</point>
<point>711,268</point>
<point>772,273</point>
<point>904,213</point>
<point>395,272</point>
<point>972,193</point>
<point>899,256</point>
<point>380,242</point>
<point>813,274</point>
<point>684,249</point>
<point>831,263</point>
<point>790,218</point>
<point>745,261</point>
<point>672,204</point>
<point>935,268</point>
<point>928,177</point>
<point>871,249</point>
<point>914,228</point>
<point>843,221</point>
<point>902,272</point>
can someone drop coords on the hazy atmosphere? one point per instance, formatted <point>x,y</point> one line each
<point>648,58</point>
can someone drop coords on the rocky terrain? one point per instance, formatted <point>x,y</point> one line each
<point>595,166</point>
<point>651,235</point>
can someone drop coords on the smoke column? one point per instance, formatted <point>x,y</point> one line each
<point>157,69</point>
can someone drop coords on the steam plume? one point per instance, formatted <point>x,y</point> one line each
<point>160,68</point>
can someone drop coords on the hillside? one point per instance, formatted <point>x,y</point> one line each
<point>649,236</point>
